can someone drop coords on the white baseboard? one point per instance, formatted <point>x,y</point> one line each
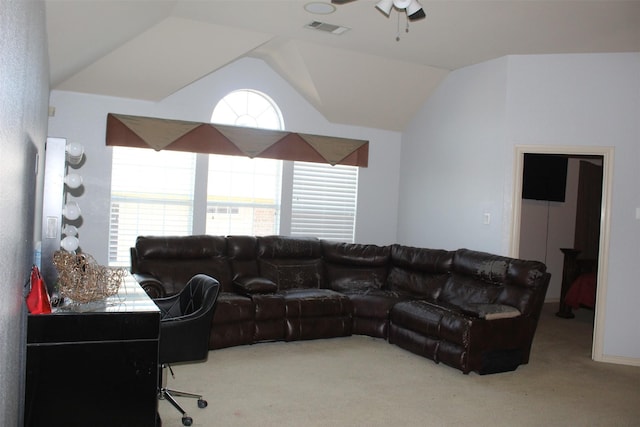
<point>620,360</point>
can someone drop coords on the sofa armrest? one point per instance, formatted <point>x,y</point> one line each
<point>491,311</point>
<point>249,285</point>
<point>152,286</point>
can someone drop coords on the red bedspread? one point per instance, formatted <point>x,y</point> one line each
<point>582,292</point>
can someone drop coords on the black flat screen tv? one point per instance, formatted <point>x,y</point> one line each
<point>544,177</point>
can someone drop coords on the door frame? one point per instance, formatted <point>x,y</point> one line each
<point>607,153</point>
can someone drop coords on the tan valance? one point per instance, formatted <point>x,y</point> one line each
<point>179,135</point>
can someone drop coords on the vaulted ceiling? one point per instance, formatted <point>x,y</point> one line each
<point>150,49</point>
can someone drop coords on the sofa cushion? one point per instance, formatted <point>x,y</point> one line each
<point>476,278</point>
<point>415,316</point>
<point>524,273</point>
<point>242,252</point>
<point>375,303</point>
<point>345,279</point>
<point>521,289</point>
<point>482,266</point>
<point>316,303</point>
<point>354,254</point>
<point>432,319</point>
<point>174,274</point>
<point>231,334</point>
<point>351,266</point>
<point>416,282</point>
<point>419,271</point>
<point>507,281</point>
<point>293,273</point>
<point>174,260</point>
<point>286,247</point>
<point>433,261</point>
<point>180,247</point>
<point>491,311</point>
<point>460,290</point>
<point>269,306</point>
<point>232,308</point>
<point>254,285</point>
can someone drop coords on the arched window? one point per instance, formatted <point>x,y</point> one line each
<point>243,194</point>
<point>250,108</point>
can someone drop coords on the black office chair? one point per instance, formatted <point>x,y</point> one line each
<point>184,332</point>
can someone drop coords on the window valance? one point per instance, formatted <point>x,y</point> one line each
<point>179,135</point>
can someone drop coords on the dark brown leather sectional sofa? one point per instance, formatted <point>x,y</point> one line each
<point>471,310</point>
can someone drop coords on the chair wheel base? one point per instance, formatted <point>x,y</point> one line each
<point>202,403</point>
<point>187,421</point>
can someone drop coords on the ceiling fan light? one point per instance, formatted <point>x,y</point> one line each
<point>414,11</point>
<point>385,6</point>
<point>418,15</point>
<point>402,4</point>
<point>413,7</point>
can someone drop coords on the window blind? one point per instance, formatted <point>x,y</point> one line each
<point>324,201</point>
<point>151,194</point>
<point>243,195</point>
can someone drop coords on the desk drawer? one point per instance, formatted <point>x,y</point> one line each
<point>72,327</point>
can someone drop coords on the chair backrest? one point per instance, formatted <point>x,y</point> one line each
<point>186,320</point>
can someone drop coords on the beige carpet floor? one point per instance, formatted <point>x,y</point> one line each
<point>362,381</point>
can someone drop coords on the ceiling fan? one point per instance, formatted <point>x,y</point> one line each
<point>411,7</point>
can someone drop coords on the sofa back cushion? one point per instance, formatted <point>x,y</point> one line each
<point>351,266</point>
<point>292,273</point>
<point>289,247</point>
<point>526,286</point>
<point>291,262</point>
<point>419,271</point>
<point>175,259</point>
<point>243,252</point>
<point>482,278</point>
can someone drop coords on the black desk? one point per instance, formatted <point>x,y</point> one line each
<point>94,364</point>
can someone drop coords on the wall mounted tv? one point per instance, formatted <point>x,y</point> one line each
<point>544,177</point>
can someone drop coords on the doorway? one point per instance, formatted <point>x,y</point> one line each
<point>606,153</point>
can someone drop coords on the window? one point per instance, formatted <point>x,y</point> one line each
<point>152,193</point>
<point>324,201</point>
<point>248,108</point>
<point>243,195</point>
<point>164,193</point>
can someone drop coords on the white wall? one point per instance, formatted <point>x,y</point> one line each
<point>24,91</point>
<point>591,100</point>
<point>82,118</point>
<point>453,158</point>
<point>460,153</point>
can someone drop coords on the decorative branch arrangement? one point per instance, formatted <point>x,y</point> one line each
<point>82,279</point>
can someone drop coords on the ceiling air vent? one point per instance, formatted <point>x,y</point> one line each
<point>327,28</point>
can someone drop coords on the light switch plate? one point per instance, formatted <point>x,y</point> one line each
<point>486,218</point>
